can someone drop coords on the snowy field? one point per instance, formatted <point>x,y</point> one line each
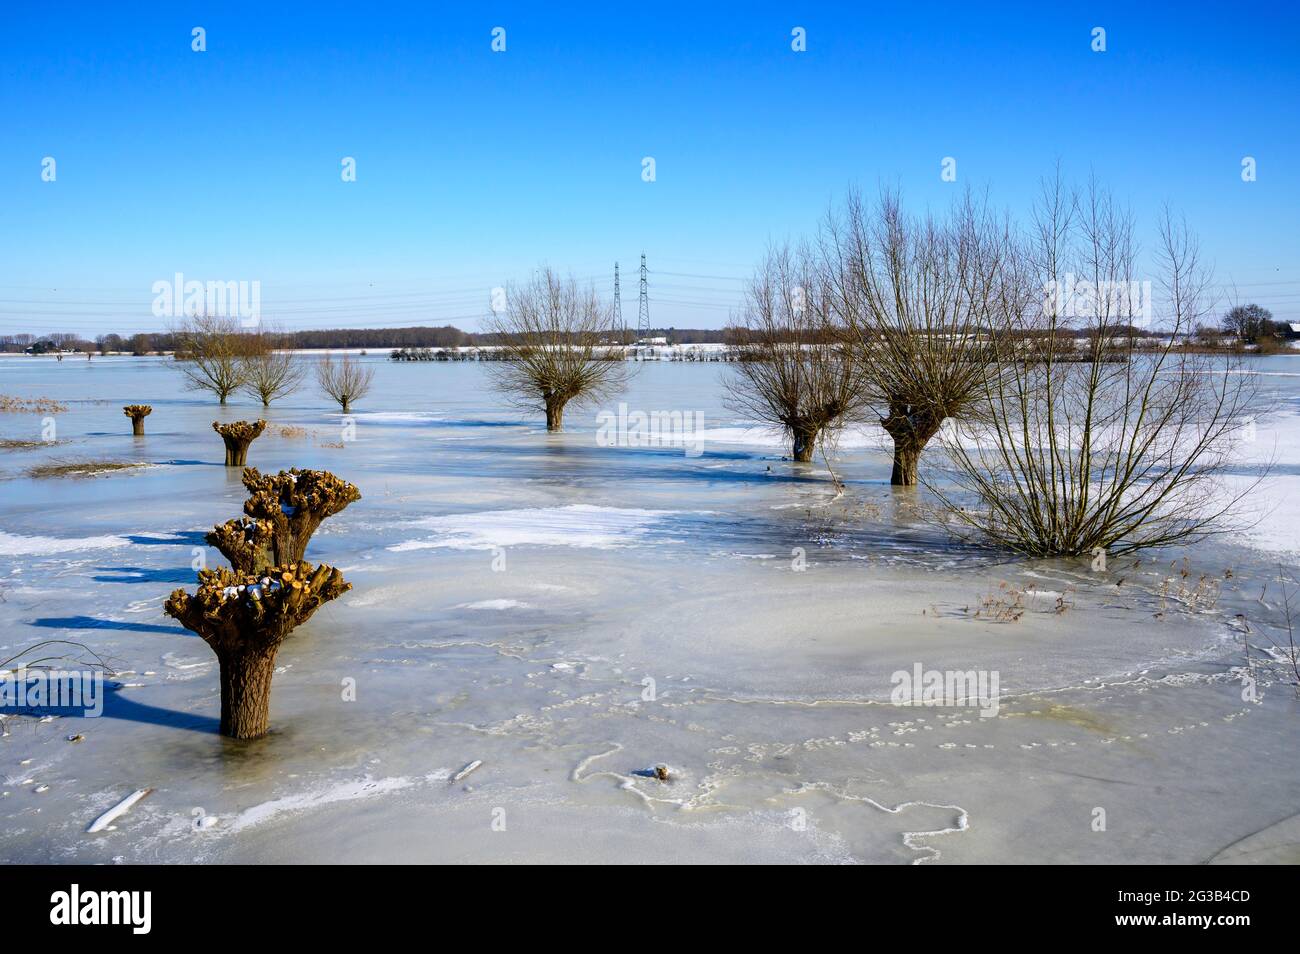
<point>572,615</point>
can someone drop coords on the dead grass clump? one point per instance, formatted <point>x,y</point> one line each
<point>293,433</point>
<point>1201,595</point>
<point>1280,661</point>
<point>16,405</point>
<point>81,468</point>
<point>1006,604</point>
<point>7,444</point>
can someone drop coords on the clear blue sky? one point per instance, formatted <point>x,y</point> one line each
<point>474,166</point>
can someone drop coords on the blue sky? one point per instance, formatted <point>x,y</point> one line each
<point>473,166</point>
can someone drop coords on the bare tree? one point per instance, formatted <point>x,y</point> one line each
<point>552,337</point>
<point>793,368</point>
<point>272,370</point>
<point>212,352</point>
<point>346,380</point>
<point>1090,445</point>
<point>919,301</point>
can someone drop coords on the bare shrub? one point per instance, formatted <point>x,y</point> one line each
<point>1093,444</point>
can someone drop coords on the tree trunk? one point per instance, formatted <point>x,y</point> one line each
<point>805,442</point>
<point>911,428</point>
<point>236,451</point>
<point>555,415</point>
<point>246,692</point>
<point>906,454</point>
<point>137,426</point>
<point>347,406</point>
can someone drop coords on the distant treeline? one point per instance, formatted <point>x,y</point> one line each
<point>419,336</point>
<point>445,336</point>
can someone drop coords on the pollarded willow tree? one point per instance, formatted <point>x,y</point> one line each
<point>271,369</point>
<point>212,352</point>
<point>245,618</point>
<point>1096,439</point>
<point>237,435</point>
<point>554,347</point>
<point>137,413</point>
<point>793,368</point>
<point>344,381</point>
<point>919,301</point>
<point>281,513</point>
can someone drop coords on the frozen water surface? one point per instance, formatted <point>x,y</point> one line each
<point>519,595</point>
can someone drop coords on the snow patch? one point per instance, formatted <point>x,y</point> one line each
<point>578,525</point>
<point>367,787</point>
<point>493,605</point>
<point>398,416</point>
<point>15,544</point>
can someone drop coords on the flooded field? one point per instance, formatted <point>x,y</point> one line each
<point>572,615</point>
